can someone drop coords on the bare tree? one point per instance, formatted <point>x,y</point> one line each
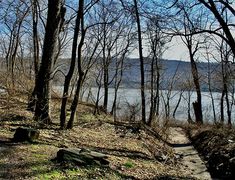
<point>188,85</point>
<point>157,41</point>
<point>168,94</point>
<point>54,20</point>
<point>141,58</point>
<point>74,104</point>
<point>70,73</point>
<point>36,49</point>
<point>123,50</point>
<point>193,45</point>
<point>218,9</point>
<point>210,79</point>
<point>224,55</point>
<point>13,23</point>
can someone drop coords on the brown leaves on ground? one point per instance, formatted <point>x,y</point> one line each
<point>131,155</point>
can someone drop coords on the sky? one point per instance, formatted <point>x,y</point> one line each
<point>176,51</point>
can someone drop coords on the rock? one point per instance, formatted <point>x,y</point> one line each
<point>83,157</point>
<point>160,157</point>
<point>178,156</point>
<point>25,134</point>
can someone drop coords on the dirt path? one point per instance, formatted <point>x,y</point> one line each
<point>191,162</point>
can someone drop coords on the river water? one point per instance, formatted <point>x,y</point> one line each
<point>132,97</point>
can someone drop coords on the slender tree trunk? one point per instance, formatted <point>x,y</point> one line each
<point>152,102</point>
<point>142,87</point>
<point>155,84</point>
<point>210,89</point>
<point>157,97</point>
<point>222,107</point>
<point>96,111</point>
<point>177,104</point>
<point>117,85</point>
<point>8,53</point>
<point>189,109</point>
<point>228,106</point>
<point>106,90</point>
<point>14,53</point>
<point>105,68</point>
<point>198,104</point>
<point>80,71</point>
<point>118,80</point>
<point>49,49</point>
<point>32,99</point>
<point>75,103</point>
<point>69,76</point>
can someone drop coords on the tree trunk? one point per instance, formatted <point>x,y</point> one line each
<point>198,104</point>
<point>118,81</point>
<point>177,104</point>
<point>152,103</point>
<point>105,69</point>
<point>142,87</point>
<point>69,76</point>
<point>75,103</point>
<point>210,90</point>
<point>32,99</point>
<point>49,49</point>
<point>222,107</point>
<point>106,90</point>
<point>189,109</point>
<point>96,111</point>
<point>80,71</point>
<point>228,105</point>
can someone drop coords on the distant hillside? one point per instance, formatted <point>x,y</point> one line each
<point>169,68</point>
<point>182,69</point>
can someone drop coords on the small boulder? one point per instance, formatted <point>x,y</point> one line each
<point>161,157</point>
<point>25,134</point>
<point>83,157</point>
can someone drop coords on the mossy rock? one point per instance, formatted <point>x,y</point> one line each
<point>82,157</point>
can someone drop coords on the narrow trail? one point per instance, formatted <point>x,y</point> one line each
<point>192,164</point>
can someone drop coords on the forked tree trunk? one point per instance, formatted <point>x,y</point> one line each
<point>69,76</point>
<point>49,48</point>
<point>80,71</point>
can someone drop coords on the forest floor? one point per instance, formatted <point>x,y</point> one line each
<point>131,155</point>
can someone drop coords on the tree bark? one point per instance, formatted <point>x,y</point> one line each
<point>69,76</point>
<point>198,104</point>
<point>32,98</point>
<point>80,71</point>
<point>44,75</point>
<point>141,58</point>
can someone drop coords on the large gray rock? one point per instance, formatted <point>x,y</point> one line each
<point>25,134</point>
<point>82,157</point>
